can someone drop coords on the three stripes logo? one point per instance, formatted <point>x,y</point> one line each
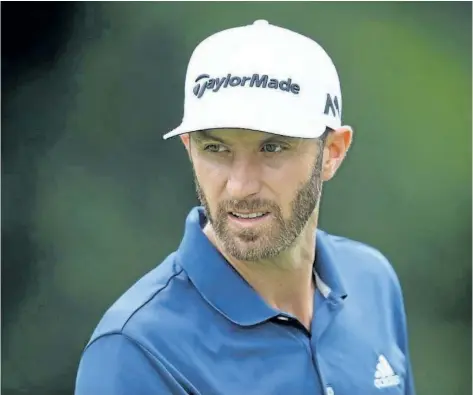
<point>384,375</point>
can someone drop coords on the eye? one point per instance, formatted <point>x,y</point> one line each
<point>272,148</point>
<point>214,148</point>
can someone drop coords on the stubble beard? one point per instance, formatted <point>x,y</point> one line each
<point>268,240</point>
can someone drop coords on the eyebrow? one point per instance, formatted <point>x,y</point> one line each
<point>205,135</point>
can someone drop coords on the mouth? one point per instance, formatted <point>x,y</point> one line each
<point>248,218</point>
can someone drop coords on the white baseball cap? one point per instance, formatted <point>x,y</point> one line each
<point>261,77</point>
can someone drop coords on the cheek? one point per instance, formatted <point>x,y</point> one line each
<point>282,186</point>
<point>210,178</point>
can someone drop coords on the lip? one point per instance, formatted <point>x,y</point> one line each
<point>248,221</point>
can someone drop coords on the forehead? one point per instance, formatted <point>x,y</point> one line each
<point>239,135</point>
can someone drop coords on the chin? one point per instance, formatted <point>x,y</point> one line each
<point>250,250</point>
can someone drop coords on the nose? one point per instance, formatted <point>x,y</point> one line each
<point>244,179</point>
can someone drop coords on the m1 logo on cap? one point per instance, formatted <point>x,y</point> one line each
<point>331,105</point>
<point>204,82</point>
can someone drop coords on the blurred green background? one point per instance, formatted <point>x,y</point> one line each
<point>93,198</point>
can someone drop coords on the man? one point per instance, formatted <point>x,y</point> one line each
<point>257,300</point>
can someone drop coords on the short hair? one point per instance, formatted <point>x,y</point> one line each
<point>323,138</point>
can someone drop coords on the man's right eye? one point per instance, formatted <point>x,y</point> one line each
<point>214,148</point>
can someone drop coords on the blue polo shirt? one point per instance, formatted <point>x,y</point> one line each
<point>194,326</point>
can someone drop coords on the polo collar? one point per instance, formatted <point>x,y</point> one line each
<point>224,288</point>
<point>330,283</point>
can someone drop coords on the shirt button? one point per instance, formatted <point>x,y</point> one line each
<point>283,318</point>
<point>330,391</point>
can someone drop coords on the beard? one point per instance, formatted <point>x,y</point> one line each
<point>270,239</point>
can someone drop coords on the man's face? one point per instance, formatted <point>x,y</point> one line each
<point>258,190</point>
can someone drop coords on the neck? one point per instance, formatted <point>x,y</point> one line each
<point>286,281</point>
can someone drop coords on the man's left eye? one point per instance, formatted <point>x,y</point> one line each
<point>272,148</point>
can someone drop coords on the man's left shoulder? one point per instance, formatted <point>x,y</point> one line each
<point>360,263</point>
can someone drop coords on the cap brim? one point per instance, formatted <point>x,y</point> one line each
<point>296,131</point>
<point>176,132</point>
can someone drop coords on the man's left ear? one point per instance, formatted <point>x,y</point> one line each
<point>336,147</point>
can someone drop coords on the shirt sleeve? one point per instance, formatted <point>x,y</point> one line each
<point>115,365</point>
<point>402,333</point>
<point>410,389</point>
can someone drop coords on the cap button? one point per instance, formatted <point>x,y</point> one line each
<point>261,22</point>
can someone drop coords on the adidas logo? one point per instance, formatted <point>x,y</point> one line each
<point>384,375</point>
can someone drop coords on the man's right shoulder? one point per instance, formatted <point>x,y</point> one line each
<point>145,303</point>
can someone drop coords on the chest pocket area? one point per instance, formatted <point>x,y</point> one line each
<point>390,371</point>
<point>376,374</point>
<point>354,363</point>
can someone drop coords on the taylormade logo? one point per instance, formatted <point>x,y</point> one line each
<point>204,82</point>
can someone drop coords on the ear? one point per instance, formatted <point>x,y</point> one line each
<point>185,138</point>
<point>336,147</point>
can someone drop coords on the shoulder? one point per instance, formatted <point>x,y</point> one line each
<point>362,265</point>
<point>371,284</point>
<point>151,298</point>
<point>369,256</point>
